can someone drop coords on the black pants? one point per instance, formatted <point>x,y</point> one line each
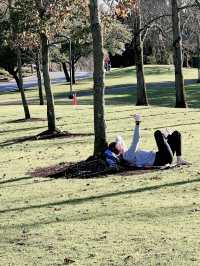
<point>167,147</point>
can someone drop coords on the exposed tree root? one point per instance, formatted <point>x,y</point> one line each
<point>42,136</point>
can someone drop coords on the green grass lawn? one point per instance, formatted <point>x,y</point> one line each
<point>143,219</point>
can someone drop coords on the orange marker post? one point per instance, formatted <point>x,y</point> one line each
<point>74,99</point>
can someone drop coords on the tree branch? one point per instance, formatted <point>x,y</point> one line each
<point>185,23</point>
<point>145,27</point>
<point>77,58</point>
<point>154,25</point>
<point>197,3</point>
<point>3,14</point>
<point>187,6</point>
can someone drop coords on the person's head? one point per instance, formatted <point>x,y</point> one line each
<point>112,147</point>
<point>118,146</point>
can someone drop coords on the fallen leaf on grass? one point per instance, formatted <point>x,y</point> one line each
<point>91,256</point>
<point>57,209</point>
<point>20,243</point>
<point>155,178</point>
<point>129,260</point>
<point>68,261</point>
<point>101,238</point>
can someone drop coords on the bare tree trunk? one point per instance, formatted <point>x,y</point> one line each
<point>138,47</point>
<point>73,71</point>
<point>198,49</point>
<point>39,78</point>
<point>178,57</point>
<point>14,74</point>
<point>98,76</point>
<point>64,66</point>
<point>20,85</point>
<point>47,84</point>
<point>19,78</point>
<point>187,59</point>
<point>45,68</point>
<point>31,69</point>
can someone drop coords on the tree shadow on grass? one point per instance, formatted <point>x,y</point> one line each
<point>23,120</point>
<point>108,120</point>
<point>91,168</point>
<point>35,181</point>
<point>118,73</point>
<point>20,129</point>
<point>31,101</point>
<point>77,201</point>
<point>134,215</point>
<point>63,134</point>
<point>17,140</point>
<point>15,180</point>
<point>150,115</point>
<point>159,94</point>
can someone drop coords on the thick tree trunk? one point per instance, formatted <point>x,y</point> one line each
<point>138,47</point>
<point>64,66</point>
<point>178,57</point>
<point>47,84</point>
<point>98,76</point>
<point>20,85</point>
<point>39,78</point>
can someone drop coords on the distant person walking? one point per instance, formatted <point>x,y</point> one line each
<point>107,63</point>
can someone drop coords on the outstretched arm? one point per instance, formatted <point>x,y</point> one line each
<point>136,134</point>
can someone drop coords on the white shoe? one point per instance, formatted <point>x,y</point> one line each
<point>182,162</point>
<point>137,117</point>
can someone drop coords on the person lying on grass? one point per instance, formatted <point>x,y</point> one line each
<point>168,145</point>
